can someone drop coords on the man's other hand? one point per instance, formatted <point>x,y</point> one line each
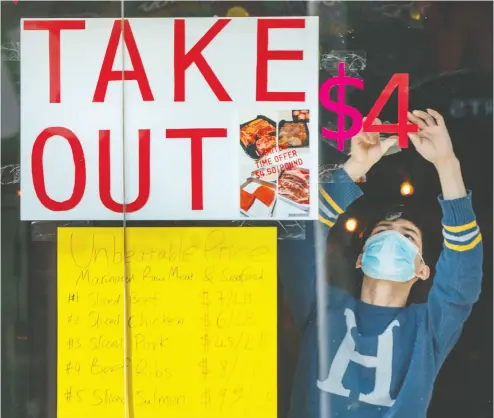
<point>432,141</point>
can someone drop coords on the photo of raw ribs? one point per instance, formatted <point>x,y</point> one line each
<point>257,137</point>
<point>294,185</point>
<point>293,134</point>
<point>265,144</point>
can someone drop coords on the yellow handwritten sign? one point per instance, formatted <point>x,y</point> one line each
<point>190,318</point>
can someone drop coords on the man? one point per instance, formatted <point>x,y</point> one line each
<point>375,357</point>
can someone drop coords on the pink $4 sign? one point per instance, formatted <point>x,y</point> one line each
<point>402,128</point>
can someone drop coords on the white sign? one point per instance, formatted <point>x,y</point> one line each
<point>213,113</point>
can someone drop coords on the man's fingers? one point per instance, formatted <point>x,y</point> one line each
<point>360,137</point>
<point>371,139</point>
<point>418,121</point>
<point>416,140</point>
<point>428,119</point>
<point>362,128</point>
<point>423,134</point>
<point>377,121</point>
<point>437,116</point>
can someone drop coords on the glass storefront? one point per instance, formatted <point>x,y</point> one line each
<point>446,50</point>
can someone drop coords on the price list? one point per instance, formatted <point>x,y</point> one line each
<point>195,330</point>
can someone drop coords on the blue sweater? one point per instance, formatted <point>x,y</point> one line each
<point>369,361</point>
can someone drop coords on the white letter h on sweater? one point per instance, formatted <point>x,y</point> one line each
<point>383,363</point>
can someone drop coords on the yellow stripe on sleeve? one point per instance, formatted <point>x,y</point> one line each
<point>331,202</point>
<point>466,247</point>
<point>460,228</point>
<point>326,221</point>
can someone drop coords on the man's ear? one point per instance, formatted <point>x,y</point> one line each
<point>358,263</point>
<point>424,272</point>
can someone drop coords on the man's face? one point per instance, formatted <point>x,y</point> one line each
<point>410,231</point>
<point>406,228</point>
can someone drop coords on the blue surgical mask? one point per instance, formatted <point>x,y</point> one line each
<point>389,255</point>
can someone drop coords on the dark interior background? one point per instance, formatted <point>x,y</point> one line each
<point>445,47</point>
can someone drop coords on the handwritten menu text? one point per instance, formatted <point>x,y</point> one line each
<point>191,318</point>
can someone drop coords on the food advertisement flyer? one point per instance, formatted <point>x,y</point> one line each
<point>276,159</point>
<point>180,119</point>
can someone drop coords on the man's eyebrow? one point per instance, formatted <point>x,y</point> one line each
<point>411,230</point>
<point>405,228</point>
<point>384,223</point>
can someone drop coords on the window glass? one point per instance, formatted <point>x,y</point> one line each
<point>42,324</point>
<point>146,308</point>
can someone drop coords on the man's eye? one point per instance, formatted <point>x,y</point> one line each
<point>409,237</point>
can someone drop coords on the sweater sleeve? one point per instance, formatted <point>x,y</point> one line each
<point>458,278</point>
<point>297,258</point>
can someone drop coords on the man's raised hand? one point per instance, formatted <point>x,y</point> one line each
<point>366,150</point>
<point>432,141</point>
